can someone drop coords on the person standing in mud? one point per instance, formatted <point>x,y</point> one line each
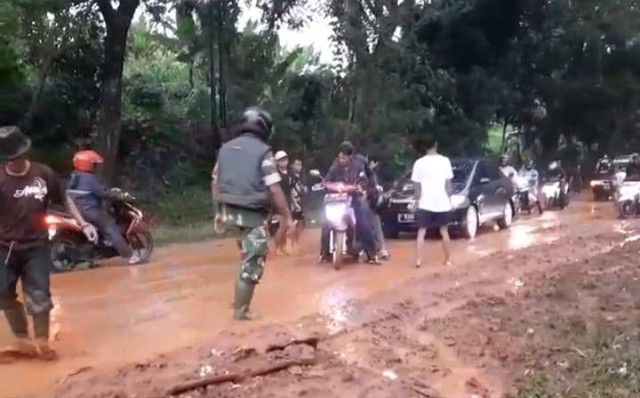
<point>298,193</point>
<point>245,185</point>
<point>431,177</point>
<point>282,164</point>
<point>26,190</point>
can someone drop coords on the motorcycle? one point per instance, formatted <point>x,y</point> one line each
<point>628,199</point>
<point>556,194</point>
<point>70,248</point>
<point>339,215</point>
<point>526,198</point>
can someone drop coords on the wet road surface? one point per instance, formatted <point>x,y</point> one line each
<point>113,315</point>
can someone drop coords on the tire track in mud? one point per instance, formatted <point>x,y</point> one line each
<point>398,343</point>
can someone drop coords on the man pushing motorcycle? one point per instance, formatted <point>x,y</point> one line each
<point>89,194</point>
<point>245,185</point>
<point>349,168</point>
<point>26,190</point>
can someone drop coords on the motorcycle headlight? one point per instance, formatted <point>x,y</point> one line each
<point>459,201</point>
<point>335,212</point>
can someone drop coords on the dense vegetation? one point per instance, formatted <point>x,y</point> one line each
<point>550,77</point>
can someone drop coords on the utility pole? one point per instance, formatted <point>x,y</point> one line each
<point>215,131</point>
<point>222,86</point>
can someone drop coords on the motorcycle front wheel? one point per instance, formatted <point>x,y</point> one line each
<point>339,241</point>
<point>141,242</point>
<point>626,209</point>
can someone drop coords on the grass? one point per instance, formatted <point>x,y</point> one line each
<point>609,367</point>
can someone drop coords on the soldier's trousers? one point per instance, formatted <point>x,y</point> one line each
<point>253,243</point>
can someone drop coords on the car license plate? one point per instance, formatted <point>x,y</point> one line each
<point>406,218</point>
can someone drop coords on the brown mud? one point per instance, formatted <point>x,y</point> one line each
<point>476,329</point>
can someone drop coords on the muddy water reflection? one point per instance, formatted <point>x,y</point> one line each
<point>337,306</point>
<point>119,314</point>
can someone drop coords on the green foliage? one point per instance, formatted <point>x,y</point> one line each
<point>552,71</point>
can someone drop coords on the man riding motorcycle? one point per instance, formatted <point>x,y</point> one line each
<point>633,169</point>
<point>89,195</point>
<point>530,174</point>
<point>556,173</point>
<point>347,168</point>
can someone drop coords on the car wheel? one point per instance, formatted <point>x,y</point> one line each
<point>471,223</point>
<point>506,220</point>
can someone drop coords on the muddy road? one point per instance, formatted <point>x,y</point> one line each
<point>111,322</point>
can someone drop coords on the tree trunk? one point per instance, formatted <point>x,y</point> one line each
<point>118,22</point>
<point>503,145</point>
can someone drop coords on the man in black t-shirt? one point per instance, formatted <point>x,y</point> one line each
<point>26,190</point>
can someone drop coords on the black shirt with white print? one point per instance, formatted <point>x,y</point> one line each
<point>24,201</point>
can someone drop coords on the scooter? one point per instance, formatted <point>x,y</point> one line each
<point>524,190</point>
<point>339,215</point>
<point>556,194</point>
<point>70,248</point>
<point>628,199</point>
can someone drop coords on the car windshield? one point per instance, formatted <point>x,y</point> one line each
<point>461,170</point>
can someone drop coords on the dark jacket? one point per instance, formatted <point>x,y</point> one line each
<point>357,164</point>
<point>633,172</point>
<point>87,191</point>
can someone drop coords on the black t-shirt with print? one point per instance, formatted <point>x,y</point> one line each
<point>24,201</point>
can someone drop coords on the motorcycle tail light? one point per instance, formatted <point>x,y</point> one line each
<point>51,219</point>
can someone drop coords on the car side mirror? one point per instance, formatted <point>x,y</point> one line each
<point>484,180</point>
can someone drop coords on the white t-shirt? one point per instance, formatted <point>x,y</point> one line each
<point>432,173</point>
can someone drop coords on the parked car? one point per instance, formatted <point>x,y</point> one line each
<point>482,194</point>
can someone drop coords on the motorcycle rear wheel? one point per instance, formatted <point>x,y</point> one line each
<point>59,251</point>
<point>141,242</point>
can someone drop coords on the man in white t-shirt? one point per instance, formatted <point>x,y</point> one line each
<point>432,175</point>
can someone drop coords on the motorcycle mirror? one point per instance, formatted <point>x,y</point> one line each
<point>315,173</point>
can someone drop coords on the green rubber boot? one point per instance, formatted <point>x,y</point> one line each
<point>244,294</point>
<point>17,320</point>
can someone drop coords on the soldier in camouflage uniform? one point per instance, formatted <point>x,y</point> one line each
<point>245,186</point>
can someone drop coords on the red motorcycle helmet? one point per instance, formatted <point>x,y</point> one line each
<point>86,160</point>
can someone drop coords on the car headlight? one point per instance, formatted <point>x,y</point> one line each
<point>459,201</point>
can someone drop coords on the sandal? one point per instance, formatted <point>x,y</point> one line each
<point>373,261</point>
